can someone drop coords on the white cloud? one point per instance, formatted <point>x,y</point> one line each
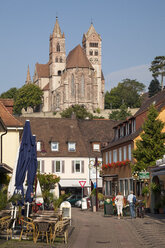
<point>141,73</point>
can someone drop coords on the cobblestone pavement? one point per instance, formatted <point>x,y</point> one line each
<point>93,230</point>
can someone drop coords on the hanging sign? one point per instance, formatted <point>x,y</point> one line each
<point>82,183</point>
<point>144,175</point>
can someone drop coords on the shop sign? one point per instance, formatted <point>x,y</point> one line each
<point>144,175</point>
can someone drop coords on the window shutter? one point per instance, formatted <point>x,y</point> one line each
<point>72,166</point>
<point>53,169</point>
<point>82,166</point>
<point>63,166</point>
<point>43,166</point>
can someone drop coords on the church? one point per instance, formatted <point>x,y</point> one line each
<point>75,79</point>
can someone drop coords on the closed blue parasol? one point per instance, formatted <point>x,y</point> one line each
<point>32,169</point>
<point>24,159</point>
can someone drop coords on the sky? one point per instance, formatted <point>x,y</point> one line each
<point>132,32</point>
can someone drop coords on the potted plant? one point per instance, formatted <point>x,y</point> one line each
<point>146,191</point>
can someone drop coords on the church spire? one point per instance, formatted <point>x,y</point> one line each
<point>28,78</point>
<point>57,30</point>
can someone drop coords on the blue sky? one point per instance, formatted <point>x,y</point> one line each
<point>133,33</point>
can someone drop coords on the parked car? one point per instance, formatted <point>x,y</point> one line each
<point>73,199</point>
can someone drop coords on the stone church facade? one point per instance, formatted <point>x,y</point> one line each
<point>75,79</point>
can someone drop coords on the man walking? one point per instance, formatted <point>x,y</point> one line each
<point>132,200</point>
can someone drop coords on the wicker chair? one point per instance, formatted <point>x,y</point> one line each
<point>28,228</point>
<point>60,230</point>
<point>6,224</point>
<point>43,230</point>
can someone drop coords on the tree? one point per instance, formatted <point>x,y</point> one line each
<point>47,183</point>
<point>150,147</point>
<point>79,110</point>
<point>30,95</point>
<point>158,68</point>
<point>10,94</point>
<point>128,93</point>
<point>154,87</point>
<point>121,114</point>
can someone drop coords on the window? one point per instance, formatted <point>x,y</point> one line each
<point>72,86</point>
<point>58,166</point>
<point>131,185</point>
<point>58,47</point>
<point>77,166</point>
<point>110,157</point>
<point>121,187</point>
<point>71,146</point>
<point>129,152</point>
<point>60,60</point>
<point>59,73</point>
<point>92,44</point>
<point>125,152</point>
<point>56,59</point>
<point>115,156</point>
<point>108,188</point>
<point>120,154</point>
<point>54,146</point>
<point>96,53</point>
<point>96,147</point>
<point>82,87</point>
<point>41,166</point>
<point>126,187</point>
<point>38,146</point>
<point>106,157</point>
<point>91,52</point>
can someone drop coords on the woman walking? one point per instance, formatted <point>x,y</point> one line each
<point>119,204</point>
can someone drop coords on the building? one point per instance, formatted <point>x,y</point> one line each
<point>117,156</point>
<point>68,148</point>
<point>73,79</point>
<point>10,132</point>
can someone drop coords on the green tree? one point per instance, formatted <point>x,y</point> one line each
<point>30,95</point>
<point>121,114</point>
<point>79,110</point>
<point>151,145</point>
<point>47,182</point>
<point>154,87</point>
<point>10,94</point>
<point>128,93</point>
<point>158,68</point>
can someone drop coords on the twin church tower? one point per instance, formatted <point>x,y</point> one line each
<point>75,79</point>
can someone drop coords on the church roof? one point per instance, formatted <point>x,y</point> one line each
<point>28,78</point>
<point>77,58</point>
<point>42,70</point>
<point>46,87</point>
<point>57,30</point>
<point>91,30</point>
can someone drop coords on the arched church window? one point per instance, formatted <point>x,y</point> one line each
<point>59,73</point>
<point>72,86</point>
<point>57,100</point>
<point>60,59</point>
<point>58,47</point>
<point>91,52</point>
<point>56,59</point>
<point>82,86</point>
<point>96,53</point>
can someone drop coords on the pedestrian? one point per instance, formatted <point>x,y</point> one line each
<point>119,200</point>
<point>132,200</point>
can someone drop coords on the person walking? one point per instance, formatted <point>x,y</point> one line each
<point>132,200</point>
<point>119,200</point>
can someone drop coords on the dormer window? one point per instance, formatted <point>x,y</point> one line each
<point>71,146</point>
<point>38,146</point>
<point>96,147</point>
<point>54,146</point>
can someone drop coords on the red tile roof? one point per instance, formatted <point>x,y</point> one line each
<point>77,58</point>
<point>42,70</point>
<point>8,119</point>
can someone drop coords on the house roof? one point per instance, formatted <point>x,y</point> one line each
<point>77,58</point>
<point>42,70</point>
<point>46,87</point>
<point>8,103</point>
<point>8,119</point>
<point>158,99</point>
<point>64,130</point>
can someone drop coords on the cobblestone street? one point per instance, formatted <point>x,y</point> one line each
<point>93,230</point>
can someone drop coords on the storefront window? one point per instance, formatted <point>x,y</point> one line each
<point>126,187</point>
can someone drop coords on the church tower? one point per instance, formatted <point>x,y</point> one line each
<point>92,47</point>
<point>28,78</point>
<point>57,58</point>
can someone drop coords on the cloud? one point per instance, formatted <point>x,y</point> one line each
<point>141,73</point>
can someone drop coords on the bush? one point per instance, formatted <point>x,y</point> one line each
<point>3,198</point>
<point>57,202</point>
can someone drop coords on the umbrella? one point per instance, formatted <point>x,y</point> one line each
<point>24,159</point>
<point>31,174</point>
<point>39,198</point>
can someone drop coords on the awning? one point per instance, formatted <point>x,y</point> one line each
<point>4,168</point>
<point>64,183</point>
<point>99,182</point>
